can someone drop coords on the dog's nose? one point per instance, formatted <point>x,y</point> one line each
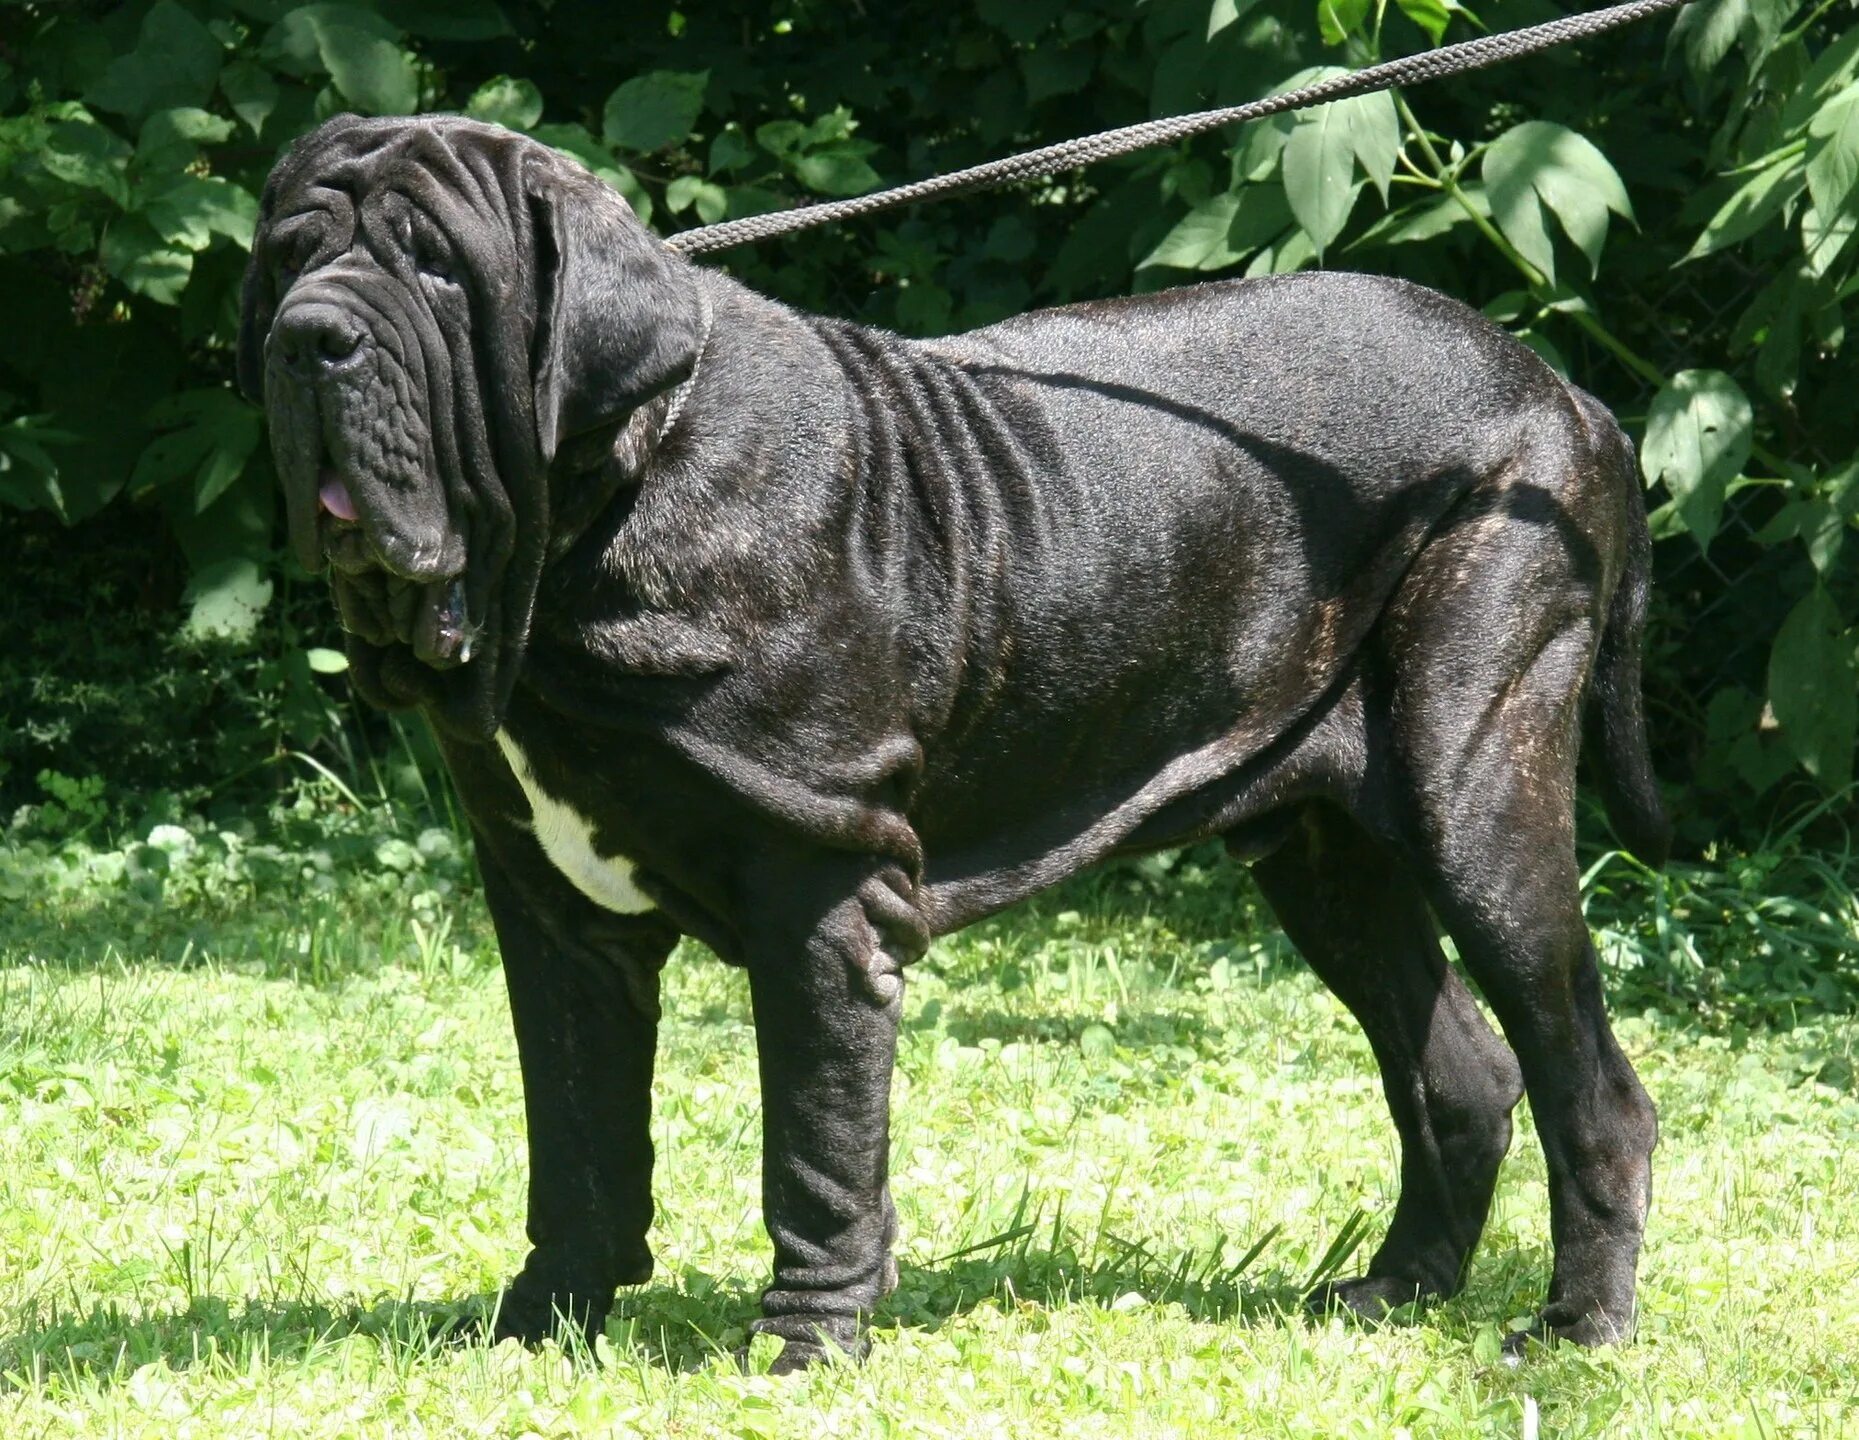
<point>314,338</point>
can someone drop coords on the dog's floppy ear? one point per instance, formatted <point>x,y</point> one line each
<point>617,314</point>
<point>258,304</point>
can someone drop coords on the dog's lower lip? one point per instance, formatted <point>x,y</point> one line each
<point>346,547</point>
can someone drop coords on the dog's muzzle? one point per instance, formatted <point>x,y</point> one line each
<point>394,583</point>
<point>429,617</point>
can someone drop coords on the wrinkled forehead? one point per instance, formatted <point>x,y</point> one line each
<point>452,169</point>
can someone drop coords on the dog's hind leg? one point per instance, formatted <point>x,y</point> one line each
<point>1487,735</point>
<point>1356,913</point>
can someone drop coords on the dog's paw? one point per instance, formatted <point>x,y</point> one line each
<point>1569,1323</point>
<point>807,1341</point>
<point>530,1316</point>
<point>1369,1298</point>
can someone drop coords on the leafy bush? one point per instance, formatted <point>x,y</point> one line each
<point>1666,214</point>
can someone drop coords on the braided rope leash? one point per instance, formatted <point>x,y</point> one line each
<point>1438,64</point>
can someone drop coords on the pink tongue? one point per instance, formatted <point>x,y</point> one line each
<point>336,499</point>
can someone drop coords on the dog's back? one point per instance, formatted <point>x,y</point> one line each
<point>1185,516</point>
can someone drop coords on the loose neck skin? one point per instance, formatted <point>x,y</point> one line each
<point>590,470</point>
<point>671,515</point>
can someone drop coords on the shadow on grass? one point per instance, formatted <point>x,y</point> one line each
<point>676,1327</point>
<point>1764,941</point>
<point>314,939</point>
<point>1137,1028</point>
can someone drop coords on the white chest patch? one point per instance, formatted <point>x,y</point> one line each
<point>567,838</point>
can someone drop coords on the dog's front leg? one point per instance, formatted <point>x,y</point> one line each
<point>584,998</point>
<point>827,999</point>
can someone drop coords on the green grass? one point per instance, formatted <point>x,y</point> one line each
<point>250,1149</point>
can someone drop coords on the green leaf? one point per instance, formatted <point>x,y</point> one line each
<point>1832,71</point>
<point>1431,16</point>
<point>1707,29</point>
<point>221,467</point>
<point>326,662</point>
<point>634,193</point>
<point>838,170</point>
<point>729,151</point>
<point>1198,241</point>
<point>1337,20</point>
<point>575,140</point>
<point>448,19</point>
<point>1828,515</point>
<point>504,101</point>
<point>1775,317</point>
<point>1424,219</point>
<point>227,598</point>
<point>711,201</point>
<point>1540,165</point>
<point>1833,152</point>
<point>171,139</point>
<point>923,308</point>
<point>1224,229</point>
<point>1020,20</point>
<point>1261,146</point>
<point>1823,532</point>
<point>1756,202</point>
<point>650,112</point>
<point>81,152</point>
<point>835,124</point>
<point>1697,440</point>
<point>1824,241</point>
<point>356,48</point>
<point>1374,135</point>
<point>236,526</point>
<point>29,487</point>
<point>251,92</point>
<point>28,473</point>
<point>192,209</point>
<point>1293,252</point>
<point>1813,689</point>
<point>781,138</point>
<point>176,62</point>
<point>1526,227</point>
<point>747,200</point>
<point>1010,239</point>
<point>1224,12</point>
<point>1054,69</point>
<point>137,255</point>
<point>1319,170</point>
<point>210,434</point>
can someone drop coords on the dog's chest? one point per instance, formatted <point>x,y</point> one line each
<point>567,838</point>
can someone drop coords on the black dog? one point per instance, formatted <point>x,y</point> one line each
<point>815,643</point>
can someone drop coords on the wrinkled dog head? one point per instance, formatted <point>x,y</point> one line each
<point>434,309</point>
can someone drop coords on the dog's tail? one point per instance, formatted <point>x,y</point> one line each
<point>1616,714</point>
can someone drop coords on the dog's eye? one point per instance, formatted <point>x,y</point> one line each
<point>431,264</point>
<point>432,256</point>
<point>295,256</point>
